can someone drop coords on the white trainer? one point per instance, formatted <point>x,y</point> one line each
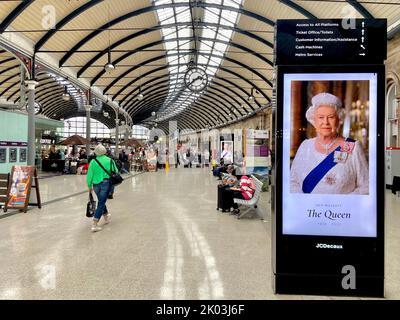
<point>96,228</point>
<point>107,218</point>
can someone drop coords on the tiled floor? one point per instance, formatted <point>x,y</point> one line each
<point>165,241</point>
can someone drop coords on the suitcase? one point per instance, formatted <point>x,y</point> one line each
<point>223,203</point>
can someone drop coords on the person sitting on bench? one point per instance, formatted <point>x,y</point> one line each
<point>244,192</point>
<point>229,178</point>
<point>220,169</point>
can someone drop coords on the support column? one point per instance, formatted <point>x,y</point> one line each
<point>88,108</point>
<point>126,135</point>
<point>31,84</point>
<point>116,134</point>
<point>398,121</point>
<point>22,93</point>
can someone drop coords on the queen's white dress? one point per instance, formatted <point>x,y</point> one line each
<point>349,176</point>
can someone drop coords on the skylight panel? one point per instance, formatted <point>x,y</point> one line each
<point>212,15</point>
<point>224,34</point>
<point>170,20</point>
<point>184,33</point>
<point>210,52</point>
<point>184,45</point>
<point>220,47</point>
<point>207,33</point>
<point>169,45</point>
<point>232,3</point>
<point>202,60</point>
<point>183,16</point>
<point>214,1</point>
<point>182,60</point>
<point>160,2</point>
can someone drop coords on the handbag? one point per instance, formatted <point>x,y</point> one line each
<point>115,177</point>
<point>91,206</point>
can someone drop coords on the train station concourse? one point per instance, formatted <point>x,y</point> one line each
<point>200,150</point>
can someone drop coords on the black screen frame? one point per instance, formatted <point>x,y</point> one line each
<point>300,267</point>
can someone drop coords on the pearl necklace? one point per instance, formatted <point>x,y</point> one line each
<point>328,145</point>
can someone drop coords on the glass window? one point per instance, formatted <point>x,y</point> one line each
<point>77,126</point>
<point>140,132</point>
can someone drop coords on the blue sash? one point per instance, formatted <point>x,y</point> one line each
<point>315,176</point>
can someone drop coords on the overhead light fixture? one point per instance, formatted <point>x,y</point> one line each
<point>153,114</point>
<point>140,95</point>
<point>109,67</point>
<point>105,113</point>
<point>251,96</point>
<point>66,96</point>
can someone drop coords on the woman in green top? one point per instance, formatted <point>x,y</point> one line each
<point>99,180</point>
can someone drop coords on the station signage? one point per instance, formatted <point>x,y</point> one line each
<point>13,144</point>
<point>336,41</point>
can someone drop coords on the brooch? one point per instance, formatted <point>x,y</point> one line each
<point>330,179</point>
<point>340,157</point>
<point>347,147</point>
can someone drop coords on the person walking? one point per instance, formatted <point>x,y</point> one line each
<point>99,181</point>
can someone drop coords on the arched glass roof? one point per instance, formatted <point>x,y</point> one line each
<point>150,43</point>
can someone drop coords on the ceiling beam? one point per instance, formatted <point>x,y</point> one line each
<point>64,21</point>
<point>128,54</point>
<point>133,98</point>
<point>14,14</point>
<point>8,88</point>
<point>165,90</point>
<point>7,60</point>
<point>9,78</point>
<point>152,8</point>
<point>361,9</point>
<point>120,77</point>
<point>157,28</point>
<point>298,8</point>
<point>9,69</point>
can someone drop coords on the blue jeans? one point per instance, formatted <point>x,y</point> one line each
<point>112,189</point>
<point>102,190</point>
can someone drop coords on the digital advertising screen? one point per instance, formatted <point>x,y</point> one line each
<point>227,151</point>
<point>329,152</point>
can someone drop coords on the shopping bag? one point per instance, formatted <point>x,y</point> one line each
<point>91,206</point>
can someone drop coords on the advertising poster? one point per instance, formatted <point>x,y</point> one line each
<point>205,152</point>
<point>152,160</point>
<point>21,180</point>
<point>258,158</point>
<point>329,154</point>
<point>227,151</point>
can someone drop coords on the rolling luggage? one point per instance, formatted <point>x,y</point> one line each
<point>73,167</point>
<point>224,203</point>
